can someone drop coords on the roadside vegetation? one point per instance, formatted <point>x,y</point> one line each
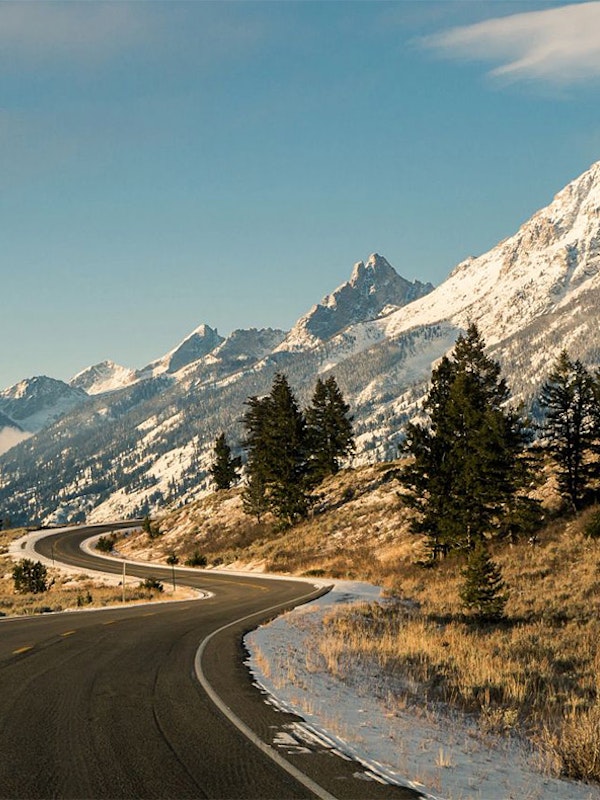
<point>488,549</point>
<point>27,587</point>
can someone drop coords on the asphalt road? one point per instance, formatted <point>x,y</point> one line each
<point>107,703</point>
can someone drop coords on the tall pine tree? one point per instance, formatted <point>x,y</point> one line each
<point>466,468</point>
<point>225,468</point>
<point>277,454</point>
<point>570,398</point>
<point>329,429</point>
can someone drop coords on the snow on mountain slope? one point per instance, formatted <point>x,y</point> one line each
<point>198,344</point>
<point>10,433</point>
<point>552,257</point>
<point>373,288</point>
<point>103,377</point>
<point>36,402</point>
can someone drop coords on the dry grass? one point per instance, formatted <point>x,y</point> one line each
<point>536,675</point>
<point>66,591</point>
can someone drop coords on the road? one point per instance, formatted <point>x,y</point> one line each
<point>107,703</point>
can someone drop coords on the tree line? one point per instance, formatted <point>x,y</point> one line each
<point>471,466</point>
<point>471,460</point>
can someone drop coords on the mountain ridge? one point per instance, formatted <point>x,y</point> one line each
<point>126,451</point>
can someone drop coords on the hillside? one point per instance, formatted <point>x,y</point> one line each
<point>534,677</point>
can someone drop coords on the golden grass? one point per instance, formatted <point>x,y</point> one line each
<point>536,675</point>
<point>66,591</point>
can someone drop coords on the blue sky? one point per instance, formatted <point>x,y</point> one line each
<point>168,164</point>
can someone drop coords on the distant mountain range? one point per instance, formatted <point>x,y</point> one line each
<point>120,441</point>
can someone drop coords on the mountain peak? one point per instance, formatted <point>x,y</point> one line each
<point>105,376</point>
<point>372,287</point>
<point>201,341</point>
<point>376,266</point>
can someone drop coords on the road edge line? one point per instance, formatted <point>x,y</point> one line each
<point>265,748</point>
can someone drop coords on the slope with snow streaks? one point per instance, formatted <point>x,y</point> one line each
<point>103,377</point>
<point>553,255</point>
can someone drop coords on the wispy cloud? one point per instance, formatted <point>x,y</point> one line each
<point>40,30</point>
<point>558,45</point>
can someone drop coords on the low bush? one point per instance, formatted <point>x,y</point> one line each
<point>151,584</point>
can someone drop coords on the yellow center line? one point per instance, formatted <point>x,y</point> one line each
<point>109,622</point>
<point>149,614</point>
<point>23,649</point>
<point>68,633</point>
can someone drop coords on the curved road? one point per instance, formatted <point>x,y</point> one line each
<point>106,704</point>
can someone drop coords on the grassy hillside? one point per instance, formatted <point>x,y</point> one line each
<point>536,675</point>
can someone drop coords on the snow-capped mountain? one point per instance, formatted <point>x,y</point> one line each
<point>127,450</point>
<point>374,288</point>
<point>199,343</point>
<point>103,377</point>
<point>36,402</point>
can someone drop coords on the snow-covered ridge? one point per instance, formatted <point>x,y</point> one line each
<point>525,276</point>
<point>373,287</point>
<point>103,377</point>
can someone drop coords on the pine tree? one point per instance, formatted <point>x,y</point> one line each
<point>277,468</point>
<point>225,468</point>
<point>466,469</point>
<point>483,591</point>
<point>329,429</point>
<point>256,423</point>
<point>571,402</point>
<point>287,475</point>
<point>30,576</point>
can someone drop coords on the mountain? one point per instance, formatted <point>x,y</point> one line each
<point>374,288</point>
<point>33,404</point>
<point>198,344</point>
<point>36,402</point>
<point>103,377</point>
<point>131,449</point>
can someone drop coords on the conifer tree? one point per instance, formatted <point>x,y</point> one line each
<point>483,591</point>
<point>225,468</point>
<point>571,401</point>
<point>329,429</point>
<point>277,469</point>
<point>256,422</point>
<point>30,576</point>
<point>466,468</point>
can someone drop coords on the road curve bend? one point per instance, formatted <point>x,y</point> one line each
<point>154,701</point>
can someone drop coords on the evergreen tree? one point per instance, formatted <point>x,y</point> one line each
<point>483,590</point>
<point>30,576</point>
<point>329,429</point>
<point>277,466</point>
<point>256,423</point>
<point>570,399</point>
<point>466,469</point>
<point>225,468</point>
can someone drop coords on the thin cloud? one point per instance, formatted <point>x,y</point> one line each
<point>90,30</point>
<point>557,45</point>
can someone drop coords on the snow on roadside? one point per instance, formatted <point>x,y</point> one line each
<point>441,757</point>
